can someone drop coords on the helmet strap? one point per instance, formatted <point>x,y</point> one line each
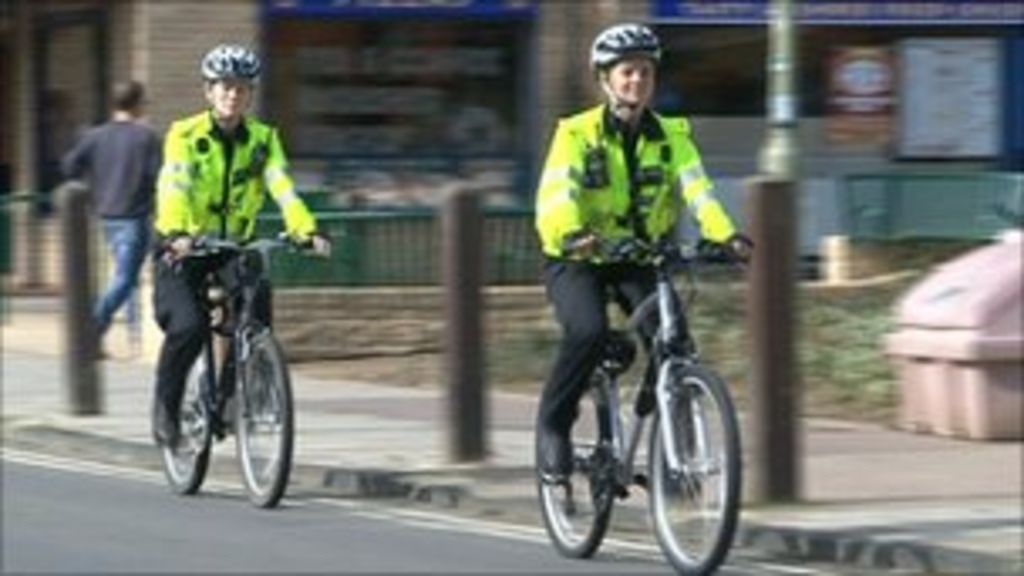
<point>625,111</point>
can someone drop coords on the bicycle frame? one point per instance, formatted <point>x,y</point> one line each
<point>246,325</point>
<point>670,309</point>
<point>683,460</point>
<point>228,290</point>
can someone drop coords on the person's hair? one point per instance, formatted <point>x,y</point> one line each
<point>128,96</point>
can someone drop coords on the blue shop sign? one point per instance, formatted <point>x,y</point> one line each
<point>936,12</point>
<point>402,8</point>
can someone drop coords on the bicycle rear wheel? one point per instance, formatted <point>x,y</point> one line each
<point>185,465</point>
<point>264,422</point>
<point>576,513</point>
<point>695,509</point>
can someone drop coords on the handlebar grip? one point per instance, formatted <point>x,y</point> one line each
<point>575,242</point>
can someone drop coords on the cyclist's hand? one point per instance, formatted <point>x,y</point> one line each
<point>317,243</point>
<point>321,245</point>
<point>582,244</point>
<point>740,247</point>
<point>179,247</point>
<point>629,250</point>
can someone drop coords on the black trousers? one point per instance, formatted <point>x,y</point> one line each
<point>186,323</point>
<point>580,294</point>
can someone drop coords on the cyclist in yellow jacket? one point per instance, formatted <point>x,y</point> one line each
<point>613,172</point>
<point>218,166</point>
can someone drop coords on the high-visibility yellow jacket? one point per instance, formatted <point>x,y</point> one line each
<point>204,190</point>
<point>585,185</point>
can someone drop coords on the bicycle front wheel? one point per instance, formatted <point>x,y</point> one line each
<point>185,465</point>
<point>576,513</point>
<point>695,508</point>
<point>264,422</point>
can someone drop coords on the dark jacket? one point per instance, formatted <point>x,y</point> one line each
<point>121,160</point>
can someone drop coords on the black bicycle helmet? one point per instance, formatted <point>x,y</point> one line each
<point>231,61</point>
<point>622,40</point>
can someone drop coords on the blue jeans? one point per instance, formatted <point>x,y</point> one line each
<point>128,239</point>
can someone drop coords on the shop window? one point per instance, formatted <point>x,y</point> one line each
<point>398,106</point>
<point>720,70</point>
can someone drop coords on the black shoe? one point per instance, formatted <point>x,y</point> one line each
<point>554,453</point>
<point>165,426</point>
<point>226,417</point>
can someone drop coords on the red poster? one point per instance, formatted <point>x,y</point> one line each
<point>860,96</point>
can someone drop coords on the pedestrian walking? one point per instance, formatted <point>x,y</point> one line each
<point>121,159</point>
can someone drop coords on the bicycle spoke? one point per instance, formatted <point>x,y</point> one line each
<point>265,423</point>
<point>576,512</point>
<point>185,464</point>
<point>695,508</point>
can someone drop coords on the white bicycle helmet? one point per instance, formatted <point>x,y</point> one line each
<point>231,61</point>
<point>622,40</point>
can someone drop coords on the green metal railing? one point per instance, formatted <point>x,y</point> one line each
<point>375,248</point>
<point>371,248</point>
<point>6,236</point>
<point>403,247</point>
<point>955,206</point>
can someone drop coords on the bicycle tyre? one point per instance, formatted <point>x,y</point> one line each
<point>593,476</point>
<point>264,398</point>
<point>185,465</point>
<point>695,380</point>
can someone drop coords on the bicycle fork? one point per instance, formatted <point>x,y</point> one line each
<point>667,396</point>
<point>208,389</point>
<point>242,348</point>
<point>665,400</point>
<point>246,396</point>
<point>692,436</point>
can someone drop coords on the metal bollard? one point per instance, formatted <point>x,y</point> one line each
<point>462,263</point>
<point>774,385</point>
<point>81,374</point>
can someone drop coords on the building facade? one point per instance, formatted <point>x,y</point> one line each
<point>389,103</point>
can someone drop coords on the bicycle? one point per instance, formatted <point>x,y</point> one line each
<point>256,399</point>
<point>694,467</point>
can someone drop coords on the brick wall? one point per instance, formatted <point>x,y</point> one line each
<point>353,323</point>
<point>176,34</point>
<point>158,43</point>
<point>564,32</point>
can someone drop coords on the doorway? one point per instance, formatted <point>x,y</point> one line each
<point>70,87</point>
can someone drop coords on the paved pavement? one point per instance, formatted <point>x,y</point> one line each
<point>874,498</point>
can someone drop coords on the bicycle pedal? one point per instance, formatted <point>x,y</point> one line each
<point>640,480</point>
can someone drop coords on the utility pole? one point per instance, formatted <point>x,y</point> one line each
<point>778,155</point>
<point>771,200</point>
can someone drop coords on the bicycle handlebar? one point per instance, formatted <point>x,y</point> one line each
<point>206,246</point>
<point>662,253</point>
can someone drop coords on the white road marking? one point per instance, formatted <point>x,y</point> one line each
<point>104,470</point>
<point>425,519</point>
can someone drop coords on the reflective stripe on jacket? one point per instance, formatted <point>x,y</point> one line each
<point>195,197</point>
<point>575,194</point>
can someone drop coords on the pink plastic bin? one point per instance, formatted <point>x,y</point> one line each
<point>959,348</point>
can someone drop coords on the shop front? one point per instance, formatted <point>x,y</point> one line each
<point>894,97</point>
<point>879,82</point>
<point>390,104</point>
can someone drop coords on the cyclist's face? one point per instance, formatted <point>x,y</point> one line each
<point>229,98</point>
<point>632,80</point>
